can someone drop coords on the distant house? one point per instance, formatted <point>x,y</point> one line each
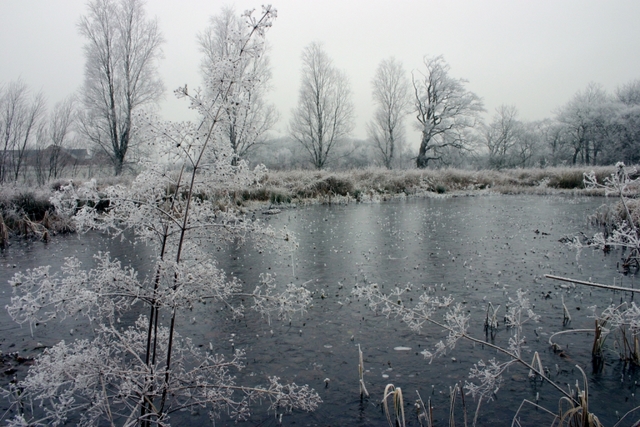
<point>66,155</point>
<point>60,155</point>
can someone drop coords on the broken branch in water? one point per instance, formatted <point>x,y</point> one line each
<point>596,285</point>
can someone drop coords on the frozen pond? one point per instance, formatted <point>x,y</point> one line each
<point>477,249</point>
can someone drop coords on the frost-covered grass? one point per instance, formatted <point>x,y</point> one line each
<point>361,184</point>
<point>26,210</point>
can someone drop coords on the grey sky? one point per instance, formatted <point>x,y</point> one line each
<point>532,54</point>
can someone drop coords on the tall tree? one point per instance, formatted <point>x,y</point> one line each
<point>629,122</point>
<point>445,111</point>
<point>392,95</point>
<point>20,117</point>
<point>250,117</point>
<point>54,141</point>
<point>629,94</point>
<point>324,115</point>
<point>530,145</point>
<point>502,135</point>
<point>553,138</point>
<point>122,52</point>
<point>589,120</point>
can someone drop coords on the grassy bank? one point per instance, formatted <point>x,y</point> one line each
<point>360,185</point>
<point>28,212</point>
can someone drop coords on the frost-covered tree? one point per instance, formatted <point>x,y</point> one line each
<point>141,372</point>
<point>628,129</point>
<point>324,115</point>
<point>392,97</point>
<point>54,138</point>
<point>122,52</point>
<point>501,136</point>
<point>589,123</point>
<point>21,114</point>
<point>445,110</point>
<point>248,121</point>
<point>511,142</point>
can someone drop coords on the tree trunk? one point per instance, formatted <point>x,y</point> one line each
<point>422,161</point>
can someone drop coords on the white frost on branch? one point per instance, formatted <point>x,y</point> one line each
<point>455,322</point>
<point>621,231</point>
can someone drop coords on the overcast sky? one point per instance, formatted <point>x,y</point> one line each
<point>532,54</point>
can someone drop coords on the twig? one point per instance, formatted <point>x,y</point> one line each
<point>595,285</point>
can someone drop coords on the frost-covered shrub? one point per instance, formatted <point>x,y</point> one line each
<point>621,225</point>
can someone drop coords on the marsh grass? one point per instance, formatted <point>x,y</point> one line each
<point>424,411</point>
<point>578,415</point>
<point>370,183</point>
<point>30,214</point>
<point>571,412</point>
<point>28,211</point>
<point>491,318</point>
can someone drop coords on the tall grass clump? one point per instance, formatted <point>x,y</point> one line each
<point>30,214</point>
<point>143,371</point>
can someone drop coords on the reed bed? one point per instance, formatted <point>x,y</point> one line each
<point>371,183</point>
<point>29,213</point>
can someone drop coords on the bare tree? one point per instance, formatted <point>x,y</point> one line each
<point>502,135</point>
<point>553,139</point>
<point>61,122</point>
<point>122,51</point>
<point>529,150</point>
<point>629,94</point>
<point>391,94</point>
<point>54,138</point>
<point>445,111</point>
<point>20,116</point>
<point>588,120</point>
<point>248,121</point>
<point>324,115</point>
<point>629,122</point>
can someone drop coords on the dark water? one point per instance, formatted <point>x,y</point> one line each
<point>477,249</point>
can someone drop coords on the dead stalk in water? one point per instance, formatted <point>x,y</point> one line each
<point>424,411</point>
<point>398,405</point>
<point>536,363</point>
<point>578,415</point>
<point>565,313</point>
<point>515,421</point>
<point>363,388</point>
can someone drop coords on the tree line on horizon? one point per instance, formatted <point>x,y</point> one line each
<point>122,52</point>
